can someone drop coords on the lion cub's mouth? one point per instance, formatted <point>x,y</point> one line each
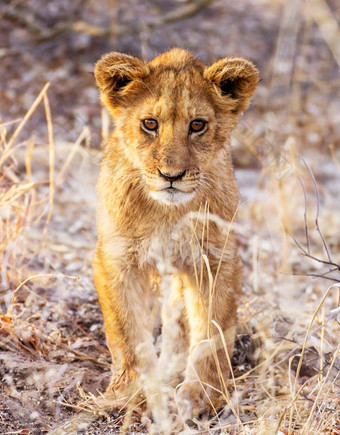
<point>172,196</point>
<point>172,193</point>
<point>176,191</point>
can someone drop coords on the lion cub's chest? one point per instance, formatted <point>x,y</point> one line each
<point>165,250</point>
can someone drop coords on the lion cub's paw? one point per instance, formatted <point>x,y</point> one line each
<point>124,387</point>
<point>193,402</point>
<point>190,400</point>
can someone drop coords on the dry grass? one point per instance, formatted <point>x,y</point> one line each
<point>40,333</point>
<point>286,365</point>
<point>285,379</point>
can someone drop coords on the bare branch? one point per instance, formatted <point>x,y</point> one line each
<point>329,263</point>
<point>132,28</point>
<point>305,214</point>
<point>304,252</point>
<point>330,271</point>
<point>316,275</point>
<point>25,21</point>
<point>312,257</point>
<point>185,12</point>
<point>179,14</point>
<point>318,210</point>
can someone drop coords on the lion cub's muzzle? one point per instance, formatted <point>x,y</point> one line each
<point>171,177</point>
<point>173,186</point>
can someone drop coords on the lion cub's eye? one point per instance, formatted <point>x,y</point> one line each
<point>150,124</point>
<point>197,125</point>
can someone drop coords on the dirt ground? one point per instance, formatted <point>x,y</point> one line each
<point>53,359</point>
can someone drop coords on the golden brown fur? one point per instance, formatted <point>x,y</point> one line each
<point>141,221</point>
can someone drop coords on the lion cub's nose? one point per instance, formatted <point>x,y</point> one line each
<point>171,177</point>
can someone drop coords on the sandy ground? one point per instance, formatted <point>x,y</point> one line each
<point>53,358</point>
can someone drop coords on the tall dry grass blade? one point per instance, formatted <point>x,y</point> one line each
<point>306,428</point>
<point>284,59</point>
<point>51,158</point>
<point>334,155</point>
<point>320,12</point>
<point>230,226</point>
<point>307,336</point>
<point>16,133</point>
<point>83,135</point>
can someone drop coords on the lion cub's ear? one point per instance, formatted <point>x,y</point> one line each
<point>236,80</point>
<point>117,75</point>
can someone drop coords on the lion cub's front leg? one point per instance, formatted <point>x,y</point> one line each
<point>123,297</point>
<point>212,319</point>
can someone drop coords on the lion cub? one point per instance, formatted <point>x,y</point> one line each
<point>167,198</point>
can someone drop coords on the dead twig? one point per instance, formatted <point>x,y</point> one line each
<point>132,28</point>
<point>316,275</point>
<point>179,14</point>
<point>318,210</point>
<point>305,214</point>
<point>333,266</point>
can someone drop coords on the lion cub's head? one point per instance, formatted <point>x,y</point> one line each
<point>173,116</point>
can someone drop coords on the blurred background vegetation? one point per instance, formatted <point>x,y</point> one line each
<point>294,44</point>
<point>52,344</point>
